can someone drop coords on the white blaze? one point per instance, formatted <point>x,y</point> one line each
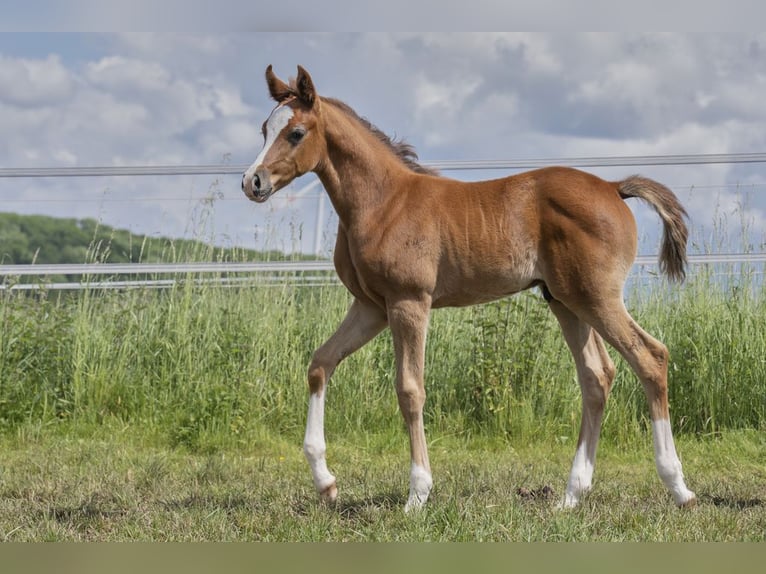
<point>277,121</point>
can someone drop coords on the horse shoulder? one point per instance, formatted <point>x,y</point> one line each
<point>391,253</point>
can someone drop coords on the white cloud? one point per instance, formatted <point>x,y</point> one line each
<point>532,49</point>
<point>635,83</point>
<point>228,102</point>
<point>186,100</point>
<point>175,46</point>
<point>32,83</point>
<point>437,104</point>
<point>65,156</point>
<point>106,116</point>
<point>118,74</point>
<point>117,106</point>
<point>238,135</point>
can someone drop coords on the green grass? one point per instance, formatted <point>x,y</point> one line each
<point>179,415</point>
<point>102,488</point>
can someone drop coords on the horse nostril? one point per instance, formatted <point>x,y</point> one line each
<point>256,182</point>
<point>243,183</point>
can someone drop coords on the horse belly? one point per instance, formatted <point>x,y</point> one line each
<point>483,286</point>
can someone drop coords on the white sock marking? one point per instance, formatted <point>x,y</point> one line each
<point>314,444</point>
<point>420,487</point>
<point>580,477</point>
<point>668,465</point>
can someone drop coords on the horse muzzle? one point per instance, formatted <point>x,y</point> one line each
<point>257,187</point>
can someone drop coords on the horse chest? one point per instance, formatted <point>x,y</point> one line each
<point>378,270</point>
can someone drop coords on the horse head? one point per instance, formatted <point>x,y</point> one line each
<point>293,144</point>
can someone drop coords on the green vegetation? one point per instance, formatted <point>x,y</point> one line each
<point>42,239</point>
<point>112,486</point>
<point>208,367</point>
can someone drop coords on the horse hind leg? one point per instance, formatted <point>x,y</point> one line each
<point>595,373</point>
<point>362,324</point>
<point>649,360</point>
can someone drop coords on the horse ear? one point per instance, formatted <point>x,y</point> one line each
<point>277,88</point>
<point>305,87</point>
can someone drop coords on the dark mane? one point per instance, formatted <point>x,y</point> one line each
<point>404,151</point>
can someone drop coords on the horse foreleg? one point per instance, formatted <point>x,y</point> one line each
<point>409,324</point>
<point>361,324</point>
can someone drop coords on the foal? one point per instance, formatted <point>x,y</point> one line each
<point>410,241</point>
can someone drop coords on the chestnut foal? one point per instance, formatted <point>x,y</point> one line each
<point>410,241</point>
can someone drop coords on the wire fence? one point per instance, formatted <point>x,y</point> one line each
<point>443,165</point>
<point>311,273</point>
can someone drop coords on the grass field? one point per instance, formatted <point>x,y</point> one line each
<point>100,488</point>
<point>179,415</point>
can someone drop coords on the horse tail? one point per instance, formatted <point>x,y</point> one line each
<point>672,213</point>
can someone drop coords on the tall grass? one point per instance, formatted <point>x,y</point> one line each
<point>202,366</point>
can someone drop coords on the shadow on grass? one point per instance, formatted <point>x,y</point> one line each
<point>84,513</point>
<point>732,502</point>
<point>203,501</point>
<point>391,501</point>
<point>98,508</point>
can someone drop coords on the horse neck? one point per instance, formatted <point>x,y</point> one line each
<point>360,173</point>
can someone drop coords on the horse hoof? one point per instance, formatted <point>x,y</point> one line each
<point>415,503</point>
<point>329,494</point>
<point>691,503</point>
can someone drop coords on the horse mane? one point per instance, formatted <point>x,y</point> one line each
<point>401,149</point>
<point>404,151</point>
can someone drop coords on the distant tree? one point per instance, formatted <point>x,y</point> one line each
<point>14,244</point>
<point>43,239</point>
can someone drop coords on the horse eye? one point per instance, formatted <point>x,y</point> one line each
<point>295,136</point>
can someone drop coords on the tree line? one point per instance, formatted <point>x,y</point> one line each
<point>43,239</point>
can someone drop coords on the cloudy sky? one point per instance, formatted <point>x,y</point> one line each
<point>102,99</point>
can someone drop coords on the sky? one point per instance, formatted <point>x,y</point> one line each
<point>192,98</point>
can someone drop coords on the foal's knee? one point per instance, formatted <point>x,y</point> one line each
<point>411,396</point>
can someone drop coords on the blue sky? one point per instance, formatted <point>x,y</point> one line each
<point>199,98</point>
